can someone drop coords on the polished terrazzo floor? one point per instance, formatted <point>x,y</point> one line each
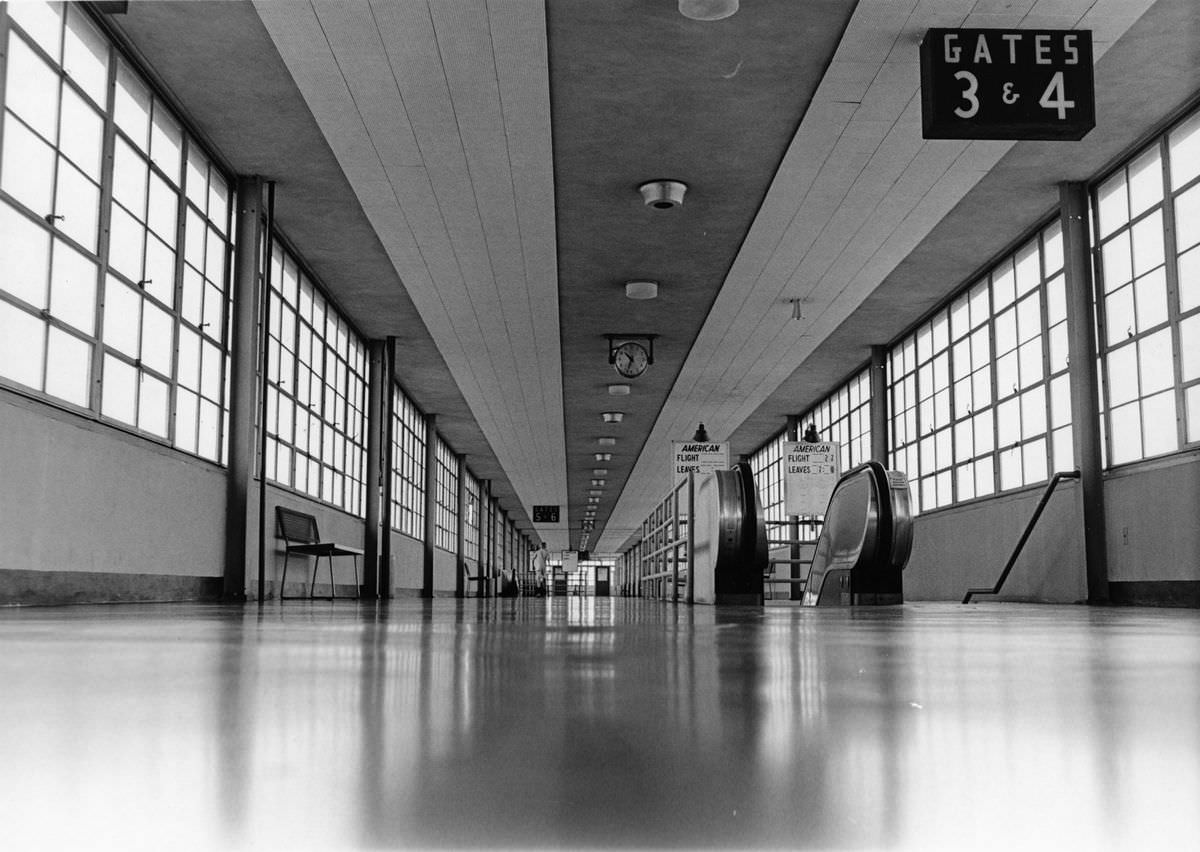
<point>594,723</point>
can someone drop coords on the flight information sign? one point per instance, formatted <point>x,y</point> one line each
<point>1007,84</point>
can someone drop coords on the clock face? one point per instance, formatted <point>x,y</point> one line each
<point>631,359</point>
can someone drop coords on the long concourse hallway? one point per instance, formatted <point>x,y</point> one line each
<point>597,723</point>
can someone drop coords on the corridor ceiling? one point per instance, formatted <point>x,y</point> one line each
<point>463,175</point>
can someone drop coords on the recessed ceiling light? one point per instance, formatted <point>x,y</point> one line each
<point>612,416</point>
<point>641,290</point>
<point>596,493</point>
<point>606,442</point>
<point>618,390</point>
<point>593,499</point>
<point>663,194</point>
<point>599,471</point>
<point>599,483</point>
<point>603,456</point>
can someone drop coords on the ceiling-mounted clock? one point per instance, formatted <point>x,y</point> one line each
<point>631,359</point>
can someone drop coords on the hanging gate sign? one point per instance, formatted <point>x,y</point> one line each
<point>1007,84</point>
<point>698,457</point>
<point>810,472</point>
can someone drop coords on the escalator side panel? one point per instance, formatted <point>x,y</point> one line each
<point>730,550</point>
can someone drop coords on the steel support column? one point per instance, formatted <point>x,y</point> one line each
<point>389,465</point>
<point>793,527</point>
<point>243,366</point>
<point>374,472</point>
<point>460,536</point>
<point>879,406</point>
<point>481,544</point>
<point>431,476</point>
<point>1085,400</point>
<point>485,569</point>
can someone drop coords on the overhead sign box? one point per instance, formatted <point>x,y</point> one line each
<point>698,457</point>
<point>545,514</point>
<point>1007,84</point>
<point>810,472</point>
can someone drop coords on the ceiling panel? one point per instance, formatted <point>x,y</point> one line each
<point>448,109</point>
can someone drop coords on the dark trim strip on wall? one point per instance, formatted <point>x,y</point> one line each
<point>1168,593</point>
<point>49,588</point>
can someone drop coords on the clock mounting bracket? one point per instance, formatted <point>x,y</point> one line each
<point>615,341</point>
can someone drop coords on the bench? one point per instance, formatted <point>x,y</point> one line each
<point>469,578</point>
<point>299,533</point>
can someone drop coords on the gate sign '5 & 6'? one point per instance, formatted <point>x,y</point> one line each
<point>1007,84</point>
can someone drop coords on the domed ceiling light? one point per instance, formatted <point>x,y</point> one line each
<point>641,290</point>
<point>707,10</point>
<point>613,416</point>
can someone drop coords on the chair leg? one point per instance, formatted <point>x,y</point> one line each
<point>357,587</point>
<point>283,580</point>
<point>332,585</point>
<point>312,588</point>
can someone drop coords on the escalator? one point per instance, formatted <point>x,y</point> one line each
<point>865,541</point>
<point>863,547</point>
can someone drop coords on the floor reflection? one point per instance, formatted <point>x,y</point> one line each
<point>581,722</point>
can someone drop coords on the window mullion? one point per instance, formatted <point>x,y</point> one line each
<point>1171,260</point>
<point>105,237</point>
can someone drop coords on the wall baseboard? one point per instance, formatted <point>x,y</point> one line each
<point>51,588</point>
<point>1174,593</point>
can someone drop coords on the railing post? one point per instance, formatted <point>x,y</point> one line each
<point>691,538</point>
<point>674,544</point>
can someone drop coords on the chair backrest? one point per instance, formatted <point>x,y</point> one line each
<point>296,526</point>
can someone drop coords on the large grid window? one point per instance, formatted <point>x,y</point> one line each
<point>767,466</point>
<point>408,475</point>
<point>128,320</point>
<point>446,517</point>
<point>845,417</point>
<point>1147,213</point>
<point>471,522</point>
<point>316,399</point>
<point>980,391</point>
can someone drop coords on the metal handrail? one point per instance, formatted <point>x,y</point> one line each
<point>1037,513</point>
